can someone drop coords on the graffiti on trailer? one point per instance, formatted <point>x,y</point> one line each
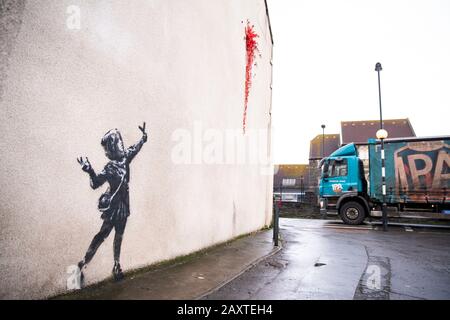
<point>423,170</point>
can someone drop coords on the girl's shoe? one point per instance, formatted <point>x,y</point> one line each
<point>81,266</point>
<point>117,272</point>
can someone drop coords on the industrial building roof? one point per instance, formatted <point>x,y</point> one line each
<point>361,131</point>
<point>331,143</point>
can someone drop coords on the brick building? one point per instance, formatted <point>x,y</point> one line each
<point>361,131</point>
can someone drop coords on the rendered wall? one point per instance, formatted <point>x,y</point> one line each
<point>178,65</point>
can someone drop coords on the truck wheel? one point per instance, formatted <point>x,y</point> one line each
<point>352,213</point>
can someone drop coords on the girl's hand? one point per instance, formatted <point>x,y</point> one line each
<point>85,164</point>
<point>144,134</point>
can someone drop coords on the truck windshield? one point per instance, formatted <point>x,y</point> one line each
<point>336,168</point>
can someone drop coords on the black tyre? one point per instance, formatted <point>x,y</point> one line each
<point>352,213</point>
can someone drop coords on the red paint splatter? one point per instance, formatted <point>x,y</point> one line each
<point>251,48</point>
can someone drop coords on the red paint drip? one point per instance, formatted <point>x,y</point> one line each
<point>252,48</point>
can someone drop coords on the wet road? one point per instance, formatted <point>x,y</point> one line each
<point>328,260</point>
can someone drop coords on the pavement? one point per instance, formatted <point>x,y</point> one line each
<point>192,278</point>
<point>324,259</point>
<point>319,259</point>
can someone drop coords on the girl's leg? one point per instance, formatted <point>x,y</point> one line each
<point>119,227</point>
<point>98,240</point>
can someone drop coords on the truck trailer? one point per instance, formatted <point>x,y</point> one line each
<point>417,172</point>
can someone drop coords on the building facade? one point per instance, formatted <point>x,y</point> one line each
<point>71,71</point>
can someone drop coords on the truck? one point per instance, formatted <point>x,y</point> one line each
<point>417,179</point>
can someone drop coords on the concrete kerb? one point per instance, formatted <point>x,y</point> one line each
<point>245,269</point>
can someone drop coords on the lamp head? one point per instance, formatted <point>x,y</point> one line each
<point>378,67</point>
<point>382,134</point>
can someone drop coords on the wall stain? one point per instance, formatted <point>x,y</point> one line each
<point>11,13</point>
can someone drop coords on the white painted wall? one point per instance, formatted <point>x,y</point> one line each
<point>172,63</point>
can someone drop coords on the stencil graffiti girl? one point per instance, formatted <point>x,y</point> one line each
<point>115,202</point>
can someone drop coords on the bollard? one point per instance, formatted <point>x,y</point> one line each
<point>276,216</point>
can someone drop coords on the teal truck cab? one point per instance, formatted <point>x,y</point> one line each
<point>417,179</point>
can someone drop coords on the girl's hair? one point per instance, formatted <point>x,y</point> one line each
<point>110,142</point>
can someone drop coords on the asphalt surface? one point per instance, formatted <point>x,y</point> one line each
<point>324,259</point>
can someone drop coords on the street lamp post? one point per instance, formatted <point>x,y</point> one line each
<point>324,215</point>
<point>382,134</point>
<point>302,190</point>
<point>323,141</point>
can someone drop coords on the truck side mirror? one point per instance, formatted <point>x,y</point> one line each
<point>325,170</point>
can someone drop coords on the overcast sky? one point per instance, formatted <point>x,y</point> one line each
<point>324,58</point>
